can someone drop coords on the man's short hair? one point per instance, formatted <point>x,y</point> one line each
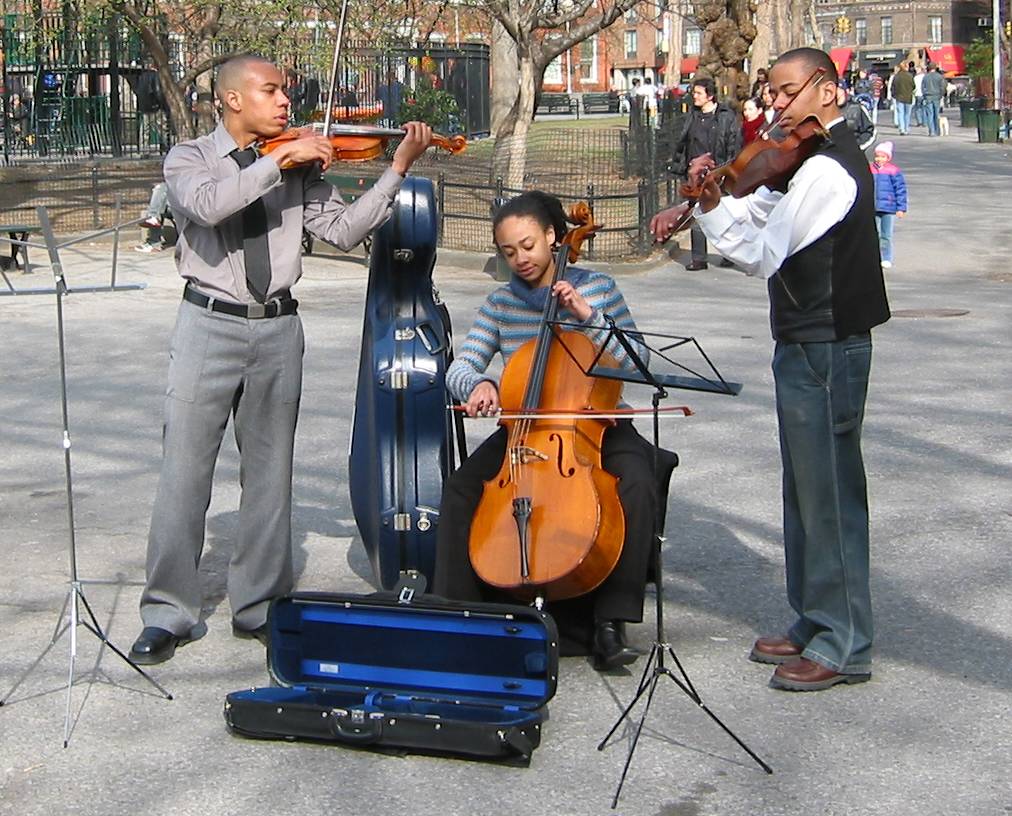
<point>708,85</point>
<point>813,59</point>
<point>232,73</point>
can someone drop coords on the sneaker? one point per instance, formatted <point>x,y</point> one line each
<point>148,248</point>
<point>887,264</point>
<point>151,222</point>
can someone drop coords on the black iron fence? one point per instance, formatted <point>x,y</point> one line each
<point>71,89</point>
<point>600,166</point>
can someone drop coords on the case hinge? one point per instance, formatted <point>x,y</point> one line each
<point>402,521</point>
<point>404,334</point>
<point>398,380</point>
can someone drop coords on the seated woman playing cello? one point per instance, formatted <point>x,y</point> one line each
<point>525,230</point>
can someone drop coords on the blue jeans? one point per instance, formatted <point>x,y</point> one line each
<point>821,390</point>
<point>884,222</point>
<point>901,116</point>
<point>932,110</point>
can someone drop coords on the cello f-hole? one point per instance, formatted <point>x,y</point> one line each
<point>564,472</point>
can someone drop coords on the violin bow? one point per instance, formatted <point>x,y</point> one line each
<point>334,68</point>
<point>816,77</point>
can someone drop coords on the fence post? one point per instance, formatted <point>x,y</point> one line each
<point>590,203</point>
<point>642,210</point>
<point>441,205</point>
<point>94,196</point>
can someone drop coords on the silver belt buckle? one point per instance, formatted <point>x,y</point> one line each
<point>256,310</point>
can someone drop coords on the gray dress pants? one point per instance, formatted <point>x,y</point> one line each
<point>220,364</point>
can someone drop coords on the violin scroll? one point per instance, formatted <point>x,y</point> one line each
<point>579,214</point>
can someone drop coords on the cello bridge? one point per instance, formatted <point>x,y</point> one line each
<point>522,454</point>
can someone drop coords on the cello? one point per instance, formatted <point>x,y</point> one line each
<point>550,524</point>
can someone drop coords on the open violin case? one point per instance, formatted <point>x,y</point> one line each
<point>404,673</point>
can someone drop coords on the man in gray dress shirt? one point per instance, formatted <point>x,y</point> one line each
<point>238,342</point>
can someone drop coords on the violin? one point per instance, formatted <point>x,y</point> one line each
<point>764,162</point>
<point>550,523</point>
<point>357,143</point>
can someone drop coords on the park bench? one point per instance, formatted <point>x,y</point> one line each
<point>557,103</point>
<point>600,102</point>
<point>16,232</point>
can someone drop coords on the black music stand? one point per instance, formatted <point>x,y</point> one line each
<point>70,615</point>
<point>713,382</point>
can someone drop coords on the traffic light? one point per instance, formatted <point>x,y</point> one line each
<point>1008,29</point>
<point>842,24</point>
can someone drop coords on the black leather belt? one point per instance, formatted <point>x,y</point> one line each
<point>281,304</point>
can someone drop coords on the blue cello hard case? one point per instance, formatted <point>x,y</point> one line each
<point>402,441</point>
<point>421,675</point>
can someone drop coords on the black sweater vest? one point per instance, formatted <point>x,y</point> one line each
<point>834,287</point>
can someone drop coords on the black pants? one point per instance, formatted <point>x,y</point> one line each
<point>625,454</point>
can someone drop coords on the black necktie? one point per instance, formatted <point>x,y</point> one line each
<point>254,236</point>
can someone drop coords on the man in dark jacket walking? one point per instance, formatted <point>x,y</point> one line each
<point>933,89</point>
<point>711,127</point>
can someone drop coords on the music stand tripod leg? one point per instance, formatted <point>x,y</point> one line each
<point>655,665</point>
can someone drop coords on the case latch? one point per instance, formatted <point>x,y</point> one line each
<point>410,583</point>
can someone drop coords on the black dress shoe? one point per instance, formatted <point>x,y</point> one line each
<point>155,645</point>
<point>260,633</point>
<point>610,648</point>
<point>695,266</point>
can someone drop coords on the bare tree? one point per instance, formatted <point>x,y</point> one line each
<point>526,23</point>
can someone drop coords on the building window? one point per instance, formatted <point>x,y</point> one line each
<point>861,31</point>
<point>630,17</point>
<point>553,73</point>
<point>934,30</point>
<point>631,46</point>
<point>693,41</point>
<point>887,30</point>
<point>588,59</point>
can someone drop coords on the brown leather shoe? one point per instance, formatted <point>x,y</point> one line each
<point>807,675</point>
<point>775,650</point>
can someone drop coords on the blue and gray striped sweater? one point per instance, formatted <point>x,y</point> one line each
<point>505,323</point>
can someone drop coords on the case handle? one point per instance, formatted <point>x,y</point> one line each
<point>363,733</point>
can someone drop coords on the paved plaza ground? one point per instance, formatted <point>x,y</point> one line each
<point>930,734</point>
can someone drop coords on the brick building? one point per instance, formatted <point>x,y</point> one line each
<point>877,34</point>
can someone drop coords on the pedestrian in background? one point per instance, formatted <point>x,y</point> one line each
<point>902,91</point>
<point>752,120</point>
<point>890,198</point>
<point>711,128</point>
<point>932,89</point>
<point>857,118</point>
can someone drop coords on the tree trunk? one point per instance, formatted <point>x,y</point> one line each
<point>505,75</point>
<point>205,99</point>
<point>727,35</point>
<point>673,63</point>
<point>799,13</point>
<point>509,158</point>
<point>760,55</point>
<point>781,27</point>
